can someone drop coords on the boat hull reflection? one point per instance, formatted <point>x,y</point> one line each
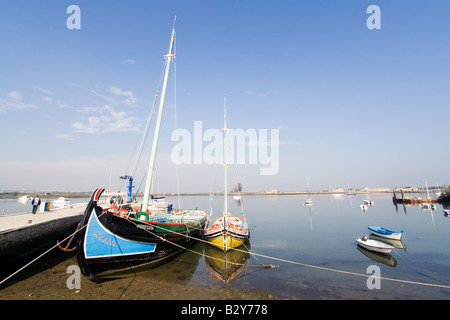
<point>227,266</point>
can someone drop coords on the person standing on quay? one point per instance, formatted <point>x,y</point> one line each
<point>36,202</point>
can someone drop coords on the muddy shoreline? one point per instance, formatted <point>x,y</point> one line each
<point>46,279</point>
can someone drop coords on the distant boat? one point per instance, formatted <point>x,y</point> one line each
<point>374,245</point>
<point>24,199</point>
<point>61,202</point>
<point>308,201</point>
<point>385,233</point>
<point>228,231</point>
<point>446,212</point>
<point>237,190</point>
<point>428,206</point>
<point>159,204</point>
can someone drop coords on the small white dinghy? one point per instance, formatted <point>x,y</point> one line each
<point>374,245</point>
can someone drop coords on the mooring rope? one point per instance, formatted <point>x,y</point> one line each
<point>43,254</point>
<point>194,238</point>
<point>244,251</point>
<point>302,264</point>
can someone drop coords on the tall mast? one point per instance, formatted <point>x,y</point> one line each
<point>225,166</point>
<point>168,57</point>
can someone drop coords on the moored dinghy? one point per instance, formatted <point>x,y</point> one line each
<point>374,245</point>
<point>385,233</point>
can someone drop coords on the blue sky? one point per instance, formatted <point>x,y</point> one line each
<point>354,107</point>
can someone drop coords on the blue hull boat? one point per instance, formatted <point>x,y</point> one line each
<point>385,233</point>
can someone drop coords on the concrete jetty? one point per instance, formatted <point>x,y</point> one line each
<point>25,235</point>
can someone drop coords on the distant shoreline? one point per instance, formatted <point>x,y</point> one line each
<point>51,195</point>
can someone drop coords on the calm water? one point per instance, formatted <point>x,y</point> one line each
<point>323,236</point>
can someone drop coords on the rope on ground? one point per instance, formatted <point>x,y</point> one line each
<point>43,254</point>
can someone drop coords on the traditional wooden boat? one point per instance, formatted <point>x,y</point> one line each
<point>227,231</point>
<point>110,245</point>
<point>385,233</point>
<point>374,245</point>
<point>127,237</point>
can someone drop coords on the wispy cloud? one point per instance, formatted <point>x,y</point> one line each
<point>127,61</point>
<point>126,97</point>
<point>106,119</point>
<point>67,137</point>
<point>58,103</point>
<point>43,90</point>
<point>118,96</point>
<point>14,102</point>
<point>261,94</point>
<point>48,98</point>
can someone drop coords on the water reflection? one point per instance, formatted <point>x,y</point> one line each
<point>181,268</point>
<point>429,209</point>
<point>227,266</point>
<point>309,208</point>
<point>395,243</point>
<point>385,259</point>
